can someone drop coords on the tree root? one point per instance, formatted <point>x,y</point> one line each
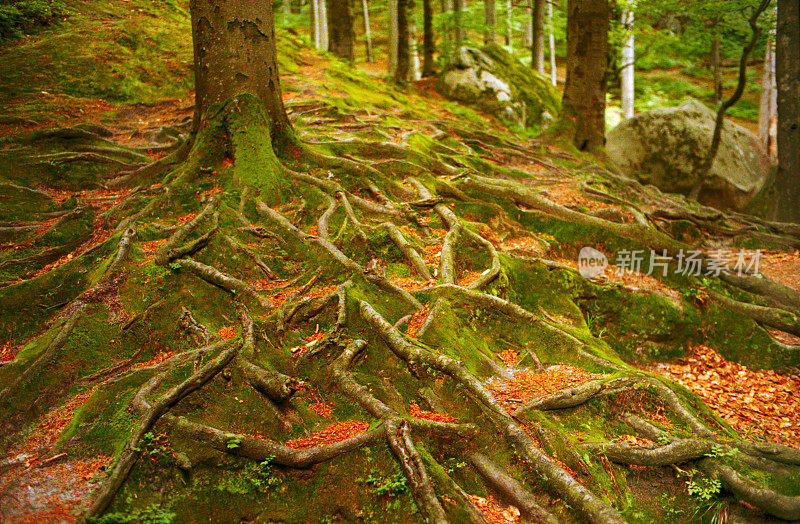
<point>572,397</point>
<point>676,452</point>
<point>172,249</point>
<point>129,453</point>
<point>777,318</point>
<point>556,479</point>
<point>762,497</point>
<point>510,489</point>
<point>651,237</point>
<point>408,251</point>
<point>228,283</point>
<point>398,435</point>
<point>260,264</point>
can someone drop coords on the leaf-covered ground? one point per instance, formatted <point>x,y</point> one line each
<point>511,306</point>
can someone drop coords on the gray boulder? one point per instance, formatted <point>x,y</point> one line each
<point>500,85</point>
<point>663,146</point>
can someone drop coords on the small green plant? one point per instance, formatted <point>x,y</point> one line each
<point>233,441</point>
<point>705,489</point>
<point>392,486</point>
<point>718,451</point>
<point>152,514</point>
<point>156,452</point>
<point>175,265</point>
<point>255,477</point>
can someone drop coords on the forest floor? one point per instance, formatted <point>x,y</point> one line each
<point>37,486</point>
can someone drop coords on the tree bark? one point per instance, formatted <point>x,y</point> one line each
<point>768,106</point>
<point>527,34</point>
<point>403,71</point>
<point>393,40</point>
<point>552,41</point>
<point>447,28</point>
<point>414,72</point>
<point>537,37</point>
<point>787,69</point>
<point>626,76</point>
<point>313,15</point>
<point>341,37</point>
<point>367,32</point>
<point>490,21</point>
<point>458,12</point>
<point>234,54</point>
<point>584,101</point>
<point>428,65</point>
<point>509,25</point>
<point>716,68</point>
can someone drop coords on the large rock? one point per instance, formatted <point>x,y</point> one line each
<point>500,85</point>
<point>663,146</point>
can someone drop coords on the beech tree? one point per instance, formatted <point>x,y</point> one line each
<point>584,102</point>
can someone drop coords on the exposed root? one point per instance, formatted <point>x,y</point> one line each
<point>555,478</point>
<point>408,251</point>
<point>510,489</point>
<point>129,453</point>
<point>172,248</point>
<point>399,438</point>
<point>228,283</point>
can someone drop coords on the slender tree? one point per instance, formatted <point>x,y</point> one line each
<point>509,36</point>
<point>367,31</point>
<point>393,40</point>
<point>490,20</point>
<point>403,71</point>
<point>584,101</point>
<point>458,27</point>
<point>627,73</point>
<point>768,105</point>
<point>527,34</point>
<point>787,68</point>
<point>341,37</point>
<point>537,39</point>
<point>716,67</point>
<point>428,43</point>
<point>552,44</point>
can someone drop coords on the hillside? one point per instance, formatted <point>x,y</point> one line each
<point>405,332</point>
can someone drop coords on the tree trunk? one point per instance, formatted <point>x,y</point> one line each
<point>458,28</point>
<point>428,65</point>
<point>552,41</point>
<point>367,33</point>
<point>447,28</point>
<point>314,21</point>
<point>537,38</point>
<point>403,55</point>
<point>509,26</point>
<point>626,76</point>
<point>768,106</point>
<point>716,67</point>
<point>322,17</point>
<point>413,51</point>
<point>787,70</point>
<point>584,102</point>
<point>490,20</point>
<point>393,32</point>
<point>527,34</point>
<point>341,37</point>
<point>234,54</point>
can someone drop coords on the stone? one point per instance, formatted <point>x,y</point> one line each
<point>663,147</point>
<point>498,84</point>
